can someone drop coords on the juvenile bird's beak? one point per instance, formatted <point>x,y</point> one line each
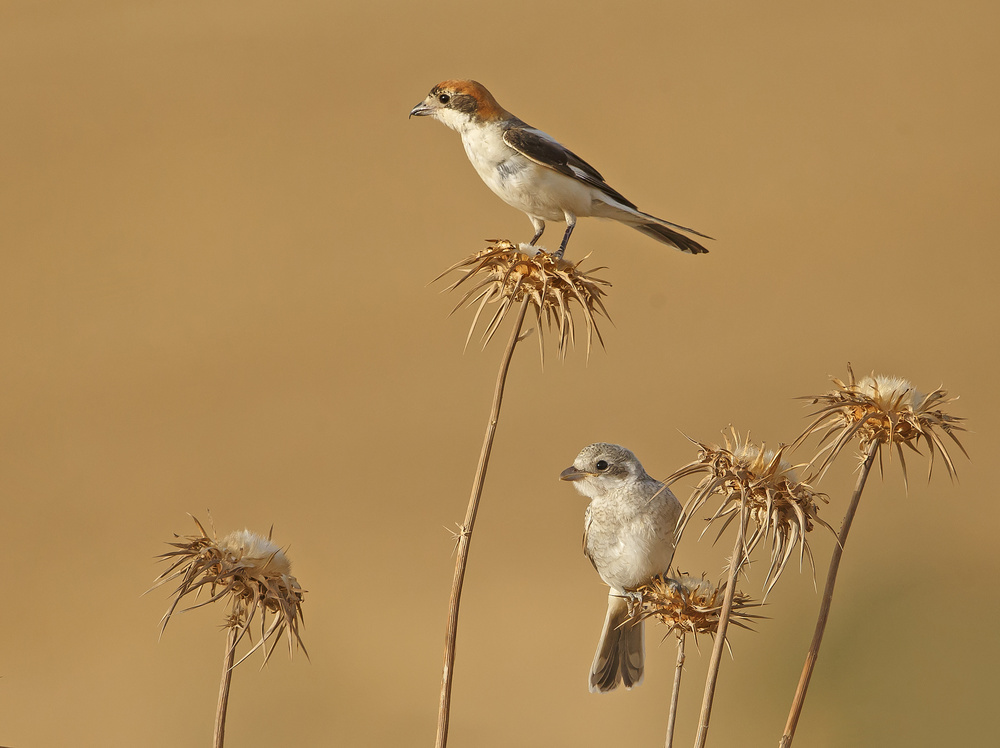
<point>571,473</point>
<point>421,110</point>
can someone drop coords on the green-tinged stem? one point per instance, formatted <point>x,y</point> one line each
<point>227,677</point>
<point>675,694</point>
<point>824,611</point>
<point>465,537</point>
<point>720,635</point>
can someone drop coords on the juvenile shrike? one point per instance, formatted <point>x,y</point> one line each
<point>628,534</point>
<point>532,171</point>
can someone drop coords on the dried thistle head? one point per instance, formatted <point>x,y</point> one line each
<point>505,274</point>
<point>249,571</point>
<point>777,503</point>
<point>691,605</point>
<point>883,411</point>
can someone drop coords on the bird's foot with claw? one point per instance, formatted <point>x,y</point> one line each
<point>676,586</point>
<point>633,599</point>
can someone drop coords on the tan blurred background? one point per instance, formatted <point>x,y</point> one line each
<point>218,229</point>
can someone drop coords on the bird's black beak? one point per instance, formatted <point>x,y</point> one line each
<point>571,473</point>
<point>421,110</point>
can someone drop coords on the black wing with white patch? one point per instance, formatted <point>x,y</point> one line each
<point>542,149</point>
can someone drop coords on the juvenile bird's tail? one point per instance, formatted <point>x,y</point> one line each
<point>657,228</point>
<point>620,652</point>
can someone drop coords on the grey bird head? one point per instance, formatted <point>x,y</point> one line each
<point>603,467</point>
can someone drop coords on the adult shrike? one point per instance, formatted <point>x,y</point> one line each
<point>629,537</point>
<point>535,173</point>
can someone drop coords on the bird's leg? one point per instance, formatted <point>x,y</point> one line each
<point>570,225</point>
<point>539,229</point>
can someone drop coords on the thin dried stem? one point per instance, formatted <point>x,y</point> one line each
<point>735,563</point>
<point>824,610</point>
<point>465,536</point>
<point>675,694</point>
<point>227,677</point>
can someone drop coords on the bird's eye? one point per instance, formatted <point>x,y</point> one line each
<point>602,465</point>
<point>444,98</point>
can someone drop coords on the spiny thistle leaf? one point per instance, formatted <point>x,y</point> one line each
<point>250,571</point>
<point>883,410</point>
<point>504,274</point>
<point>777,502</point>
<point>691,605</point>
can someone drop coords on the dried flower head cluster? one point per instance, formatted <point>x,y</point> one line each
<point>506,274</point>
<point>250,571</point>
<point>778,504</point>
<point>883,411</point>
<point>691,605</point>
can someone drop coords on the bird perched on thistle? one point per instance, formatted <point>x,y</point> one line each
<point>533,172</point>
<point>629,537</point>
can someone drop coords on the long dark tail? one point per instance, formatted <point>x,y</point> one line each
<point>671,237</point>
<point>651,226</point>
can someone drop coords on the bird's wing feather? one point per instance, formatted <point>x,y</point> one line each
<point>587,519</point>
<point>544,150</point>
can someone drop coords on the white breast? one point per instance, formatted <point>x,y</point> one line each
<point>531,188</point>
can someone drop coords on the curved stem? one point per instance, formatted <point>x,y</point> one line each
<point>720,635</point>
<point>824,611</point>
<point>465,537</point>
<point>675,694</point>
<point>227,677</point>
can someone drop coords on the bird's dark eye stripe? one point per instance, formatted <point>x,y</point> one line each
<point>602,465</point>
<point>464,103</point>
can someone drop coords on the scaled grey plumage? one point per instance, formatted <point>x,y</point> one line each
<point>629,537</point>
